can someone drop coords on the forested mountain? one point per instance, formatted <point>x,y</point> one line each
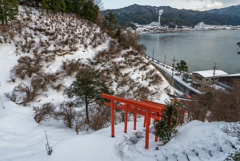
<point>232,11</point>
<point>172,16</point>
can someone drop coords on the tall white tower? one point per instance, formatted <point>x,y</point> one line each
<point>160,13</point>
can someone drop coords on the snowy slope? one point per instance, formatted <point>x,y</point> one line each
<point>22,139</point>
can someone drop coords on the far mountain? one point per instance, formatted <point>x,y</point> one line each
<point>232,11</point>
<point>172,16</point>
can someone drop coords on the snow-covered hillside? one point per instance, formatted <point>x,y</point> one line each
<point>22,139</point>
<point>59,45</point>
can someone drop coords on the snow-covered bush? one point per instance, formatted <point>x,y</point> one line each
<point>67,113</point>
<point>99,116</point>
<point>26,66</point>
<point>23,94</point>
<point>79,121</point>
<point>42,113</point>
<point>233,129</point>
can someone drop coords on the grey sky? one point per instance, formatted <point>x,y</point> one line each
<point>186,4</point>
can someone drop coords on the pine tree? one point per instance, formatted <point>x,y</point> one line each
<point>78,6</point>
<point>110,17</point>
<point>118,33</point>
<point>55,5</point>
<point>166,127</point>
<point>8,10</point>
<point>182,66</point>
<point>87,89</point>
<point>90,10</point>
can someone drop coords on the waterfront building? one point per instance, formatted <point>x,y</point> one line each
<point>227,80</point>
<point>206,78</point>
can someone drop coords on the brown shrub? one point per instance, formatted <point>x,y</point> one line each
<point>42,113</point>
<point>226,104</point>
<point>156,79</point>
<point>24,93</point>
<point>99,117</point>
<point>71,66</point>
<point>79,121</point>
<point>26,66</point>
<point>67,113</point>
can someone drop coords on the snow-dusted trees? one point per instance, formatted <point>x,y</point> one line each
<point>8,10</point>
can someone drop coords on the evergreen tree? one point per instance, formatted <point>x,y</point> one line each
<point>87,89</point>
<point>118,33</point>
<point>69,5</point>
<point>104,22</point>
<point>110,17</point>
<point>166,127</point>
<point>8,10</point>
<point>55,5</point>
<point>90,10</point>
<point>78,6</point>
<point>182,66</point>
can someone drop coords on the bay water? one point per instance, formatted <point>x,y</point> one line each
<point>199,49</point>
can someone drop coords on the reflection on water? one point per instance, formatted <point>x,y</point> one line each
<point>200,49</point>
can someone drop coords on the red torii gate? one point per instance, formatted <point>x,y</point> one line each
<point>144,107</point>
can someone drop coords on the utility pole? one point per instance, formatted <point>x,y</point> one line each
<point>153,54</point>
<point>173,69</point>
<point>214,70</point>
<point>165,60</point>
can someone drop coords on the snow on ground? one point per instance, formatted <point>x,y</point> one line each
<point>22,139</point>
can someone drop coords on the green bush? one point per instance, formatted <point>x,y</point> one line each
<point>166,127</point>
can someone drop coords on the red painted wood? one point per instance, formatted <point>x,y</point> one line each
<point>126,119</point>
<point>144,107</point>
<point>112,117</point>
<point>135,120</point>
<point>147,128</point>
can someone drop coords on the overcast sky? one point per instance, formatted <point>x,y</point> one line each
<point>180,4</point>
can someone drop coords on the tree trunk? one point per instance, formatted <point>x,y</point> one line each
<point>87,117</point>
<point>2,22</point>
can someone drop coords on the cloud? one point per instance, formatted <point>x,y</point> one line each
<point>224,2</point>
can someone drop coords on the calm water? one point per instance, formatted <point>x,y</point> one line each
<point>200,49</point>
